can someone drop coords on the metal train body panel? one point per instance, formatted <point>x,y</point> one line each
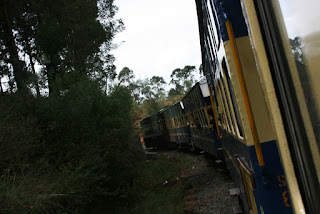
<point>177,127</point>
<point>155,132</point>
<point>259,185</point>
<point>291,82</point>
<point>263,105</point>
<point>196,108</point>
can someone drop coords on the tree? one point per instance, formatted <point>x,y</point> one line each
<point>296,47</point>
<point>125,76</point>
<point>59,37</point>
<point>157,85</point>
<point>182,79</point>
<point>10,11</point>
<point>136,89</point>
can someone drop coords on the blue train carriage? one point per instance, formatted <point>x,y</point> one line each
<point>154,130</point>
<point>197,108</point>
<point>288,59</point>
<point>250,138</point>
<point>177,126</point>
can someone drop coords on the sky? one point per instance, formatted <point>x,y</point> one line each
<point>160,36</point>
<point>297,16</point>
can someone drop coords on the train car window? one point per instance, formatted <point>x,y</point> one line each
<point>199,118</point>
<point>202,118</point>
<point>210,63</point>
<point>216,103</point>
<point>211,19</point>
<point>234,107</point>
<point>209,50</point>
<point>219,105</point>
<point>205,118</point>
<point>304,40</point>
<point>183,120</point>
<point>229,107</point>
<point>226,105</point>
<point>225,121</point>
<point>193,119</point>
<point>292,34</point>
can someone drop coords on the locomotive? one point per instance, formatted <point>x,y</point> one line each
<point>258,107</point>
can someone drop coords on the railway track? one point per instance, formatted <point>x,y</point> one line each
<point>206,183</point>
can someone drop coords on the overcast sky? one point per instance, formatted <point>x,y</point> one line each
<point>160,36</point>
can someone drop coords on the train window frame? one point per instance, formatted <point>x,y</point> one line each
<point>219,106</point>
<point>224,120</point>
<point>227,114</point>
<point>225,95</point>
<point>209,53</point>
<point>213,18</point>
<point>203,119</point>
<point>274,33</point>
<point>205,116</point>
<point>200,118</point>
<point>192,121</point>
<point>231,97</point>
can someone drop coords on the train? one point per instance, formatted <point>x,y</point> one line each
<point>257,108</point>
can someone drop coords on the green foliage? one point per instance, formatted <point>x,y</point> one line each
<point>64,150</point>
<point>152,106</point>
<point>182,79</point>
<point>158,84</point>
<point>150,195</point>
<point>125,76</point>
<point>61,36</point>
<point>297,51</point>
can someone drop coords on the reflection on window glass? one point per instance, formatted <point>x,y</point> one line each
<point>303,28</point>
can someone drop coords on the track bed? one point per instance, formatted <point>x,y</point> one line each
<point>206,184</point>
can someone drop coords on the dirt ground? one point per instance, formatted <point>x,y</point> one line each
<point>206,184</point>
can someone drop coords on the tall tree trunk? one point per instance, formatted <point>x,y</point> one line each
<point>52,71</point>
<point>106,89</point>
<point>17,64</point>
<point>32,68</point>
<point>1,89</point>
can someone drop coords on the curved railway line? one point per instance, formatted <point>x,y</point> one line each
<point>257,107</point>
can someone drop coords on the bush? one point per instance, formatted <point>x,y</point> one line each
<point>65,149</point>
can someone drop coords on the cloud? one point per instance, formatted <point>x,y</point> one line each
<point>159,37</point>
<point>301,18</point>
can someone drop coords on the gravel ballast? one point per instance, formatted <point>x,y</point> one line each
<point>206,184</point>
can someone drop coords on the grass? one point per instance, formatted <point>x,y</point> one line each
<point>35,189</point>
<point>152,193</point>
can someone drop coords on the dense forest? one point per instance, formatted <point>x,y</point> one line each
<point>69,120</point>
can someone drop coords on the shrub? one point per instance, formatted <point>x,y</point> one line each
<point>65,149</point>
